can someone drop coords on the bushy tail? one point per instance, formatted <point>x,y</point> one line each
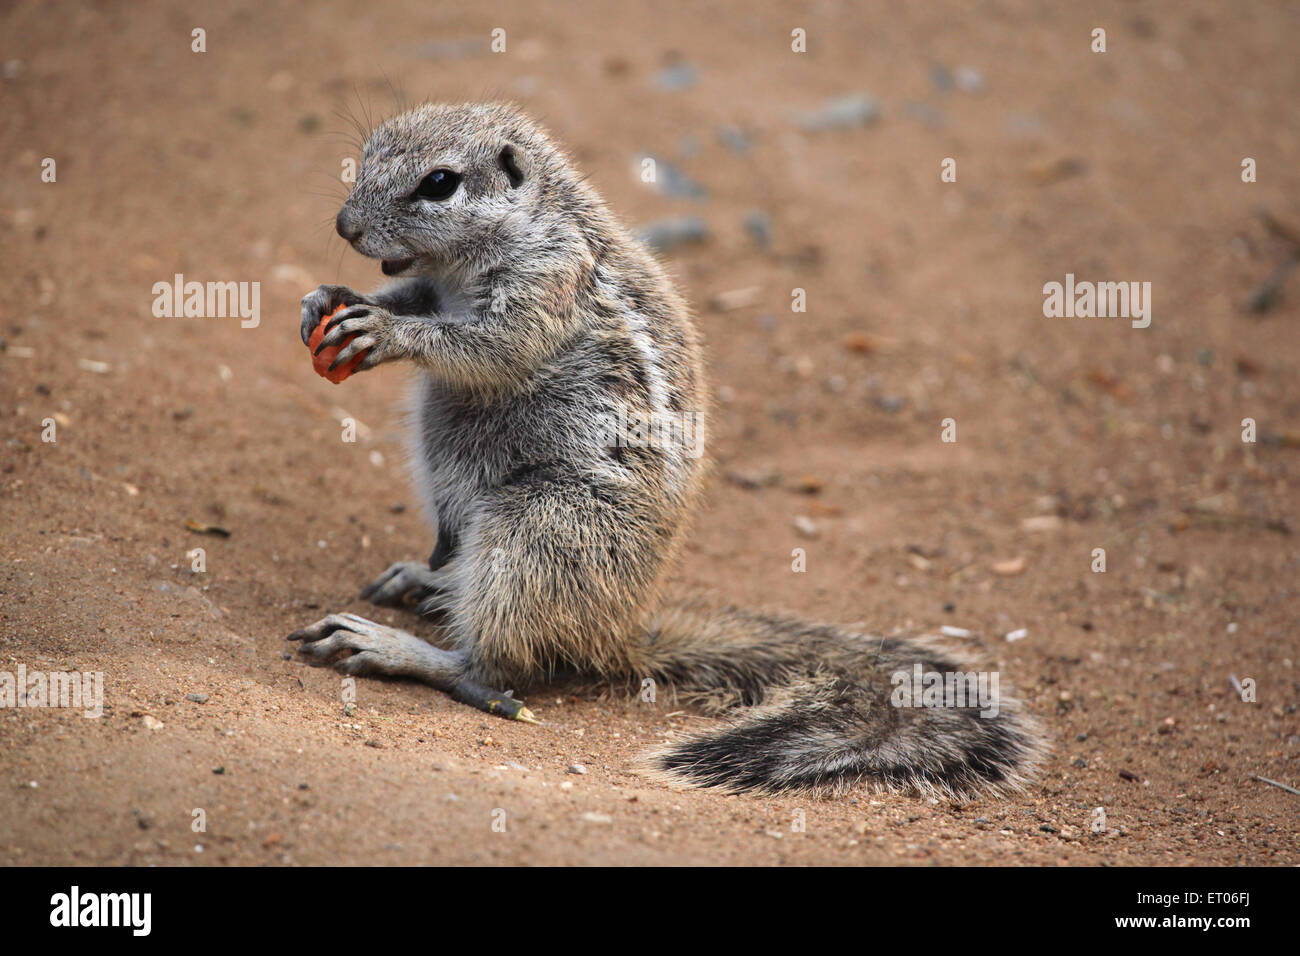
<point>808,706</point>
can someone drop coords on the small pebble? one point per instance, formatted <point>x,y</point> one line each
<point>969,79</point>
<point>668,234</point>
<point>750,481</point>
<point>1042,523</point>
<point>843,112</point>
<point>1009,568</point>
<point>923,113</point>
<point>805,526</point>
<point>678,77</point>
<point>734,138</point>
<point>672,181</point>
<point>758,225</point>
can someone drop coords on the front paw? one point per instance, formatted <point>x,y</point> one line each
<point>364,328</point>
<point>321,302</point>
<point>404,584</point>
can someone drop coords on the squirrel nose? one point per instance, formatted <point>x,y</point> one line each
<point>348,227</point>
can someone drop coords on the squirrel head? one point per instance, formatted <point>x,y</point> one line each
<point>456,187</point>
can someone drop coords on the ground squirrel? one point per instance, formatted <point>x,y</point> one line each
<point>561,374</point>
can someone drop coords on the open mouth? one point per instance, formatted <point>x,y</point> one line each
<point>393,267</point>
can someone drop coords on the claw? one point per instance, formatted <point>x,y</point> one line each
<point>322,628</point>
<point>334,333</point>
<point>492,702</point>
<point>321,302</point>
<point>403,584</point>
<point>350,351</point>
<point>351,312</point>
<point>511,710</point>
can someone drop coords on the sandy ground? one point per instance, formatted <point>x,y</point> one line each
<point>924,302</point>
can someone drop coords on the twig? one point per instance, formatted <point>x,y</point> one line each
<point>1279,228</point>
<point>1276,784</point>
<point>1265,295</point>
<point>1223,519</point>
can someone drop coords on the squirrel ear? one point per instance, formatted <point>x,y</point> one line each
<point>513,162</point>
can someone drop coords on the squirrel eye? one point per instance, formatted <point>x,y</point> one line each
<point>439,184</point>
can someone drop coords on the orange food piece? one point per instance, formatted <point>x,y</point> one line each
<point>321,363</point>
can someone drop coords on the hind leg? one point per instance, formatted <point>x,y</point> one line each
<point>554,574</point>
<point>382,650</point>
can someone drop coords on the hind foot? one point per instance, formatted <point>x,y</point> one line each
<point>387,651</point>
